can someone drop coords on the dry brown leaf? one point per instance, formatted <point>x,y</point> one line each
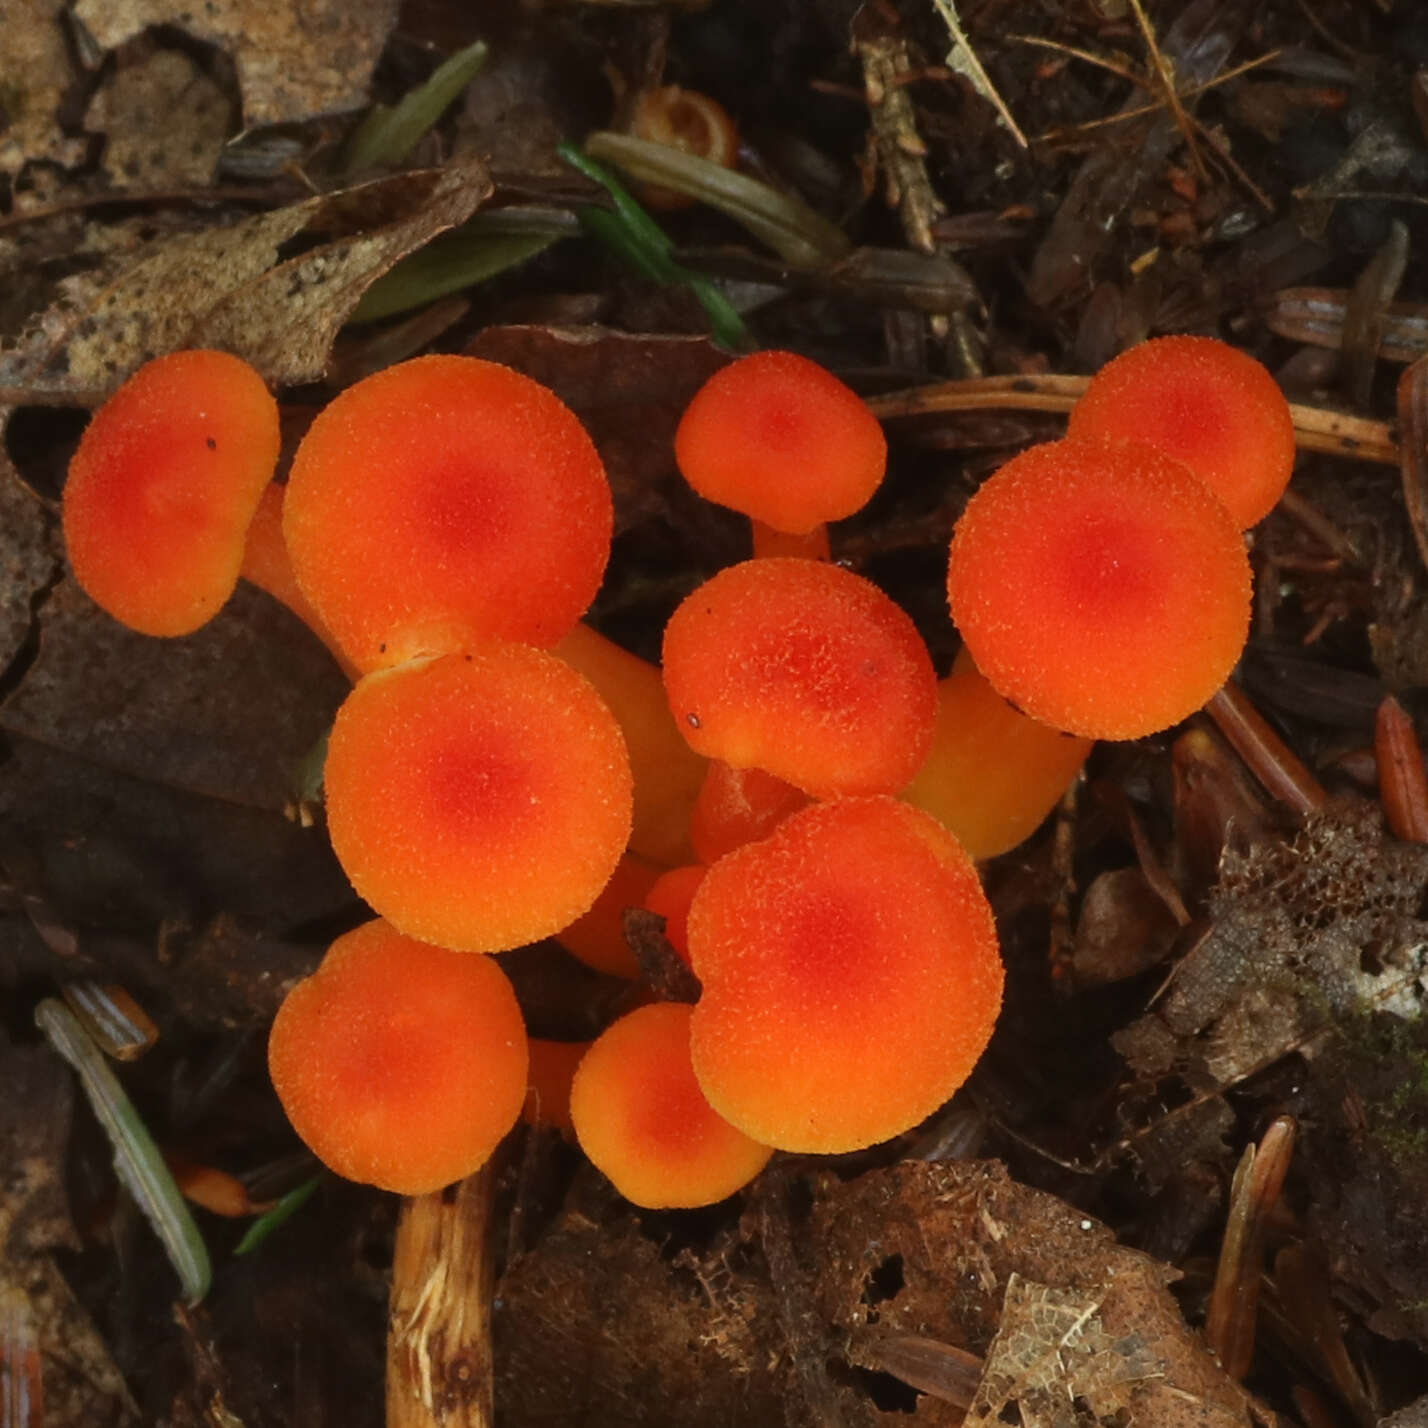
<point>232,288</point>
<point>164,120</point>
<point>35,72</point>
<point>29,559</point>
<point>293,61</point>
<point>1051,1350</point>
<point>226,712</point>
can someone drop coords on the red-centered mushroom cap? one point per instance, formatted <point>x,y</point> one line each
<point>641,1118</point>
<point>783,440</point>
<point>445,502</point>
<point>160,492</point>
<point>738,806</point>
<point>1204,403</point>
<point>478,801</point>
<point>804,670</point>
<point>850,973</point>
<point>400,1064</point>
<point>670,898</point>
<point>1102,588</point>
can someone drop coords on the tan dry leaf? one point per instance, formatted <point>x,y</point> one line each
<point>165,123</point>
<point>293,61</point>
<point>1051,1350</point>
<point>230,288</point>
<point>35,71</point>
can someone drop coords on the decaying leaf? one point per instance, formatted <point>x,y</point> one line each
<point>1285,956</point>
<point>1051,1351</point>
<point>35,72</point>
<point>29,559</point>
<point>293,62</point>
<point>165,122</point>
<point>234,288</point>
<point>952,1252</point>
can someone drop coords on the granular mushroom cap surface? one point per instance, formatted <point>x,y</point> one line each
<point>780,438</point>
<point>400,1064</point>
<point>443,502</point>
<point>1204,403</point>
<point>479,801</point>
<point>641,1117</point>
<point>1101,587</point>
<point>850,974</point>
<point>163,485</point>
<point>804,670</point>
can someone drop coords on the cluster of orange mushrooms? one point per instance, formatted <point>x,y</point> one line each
<point>797,793</point>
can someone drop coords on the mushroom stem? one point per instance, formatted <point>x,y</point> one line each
<point>667,772</point>
<point>809,545</point>
<point>994,773</point>
<point>439,1362</point>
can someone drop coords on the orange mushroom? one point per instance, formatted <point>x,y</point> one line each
<point>670,898</point>
<point>850,976</point>
<point>804,670</point>
<point>641,1118</point>
<point>1101,588</point>
<point>161,490</point>
<point>400,1064</point>
<point>781,439</point>
<point>688,120</point>
<point>993,774</point>
<point>479,801</point>
<point>738,806</point>
<point>597,937</point>
<point>552,1071</point>
<point>1204,403</point>
<point>444,502</point>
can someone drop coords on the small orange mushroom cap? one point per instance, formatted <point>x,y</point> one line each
<point>1204,403</point>
<point>850,976</point>
<point>444,502</point>
<point>1102,588</point>
<point>804,670</point>
<point>552,1070</point>
<point>478,801</point>
<point>400,1064</point>
<point>781,439</point>
<point>597,937</point>
<point>641,1118</point>
<point>670,898</point>
<point>162,488</point>
<point>738,806</point>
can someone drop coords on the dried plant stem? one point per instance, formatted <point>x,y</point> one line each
<point>1269,758</point>
<point>1234,1301</point>
<point>1315,428</point>
<point>439,1370</point>
<point>1402,780</point>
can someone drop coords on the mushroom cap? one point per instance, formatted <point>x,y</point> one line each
<point>738,806</point>
<point>597,937</point>
<point>552,1070</point>
<point>804,670</point>
<point>444,502</point>
<point>993,774</point>
<point>670,897</point>
<point>163,485</point>
<point>643,1121</point>
<point>850,976</point>
<point>400,1064</point>
<point>1204,403</point>
<point>782,440</point>
<point>1101,587</point>
<point>478,801</point>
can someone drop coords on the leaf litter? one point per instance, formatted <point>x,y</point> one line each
<point>1234,963</point>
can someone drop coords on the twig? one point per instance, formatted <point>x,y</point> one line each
<point>1269,758</point>
<point>1172,97</point>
